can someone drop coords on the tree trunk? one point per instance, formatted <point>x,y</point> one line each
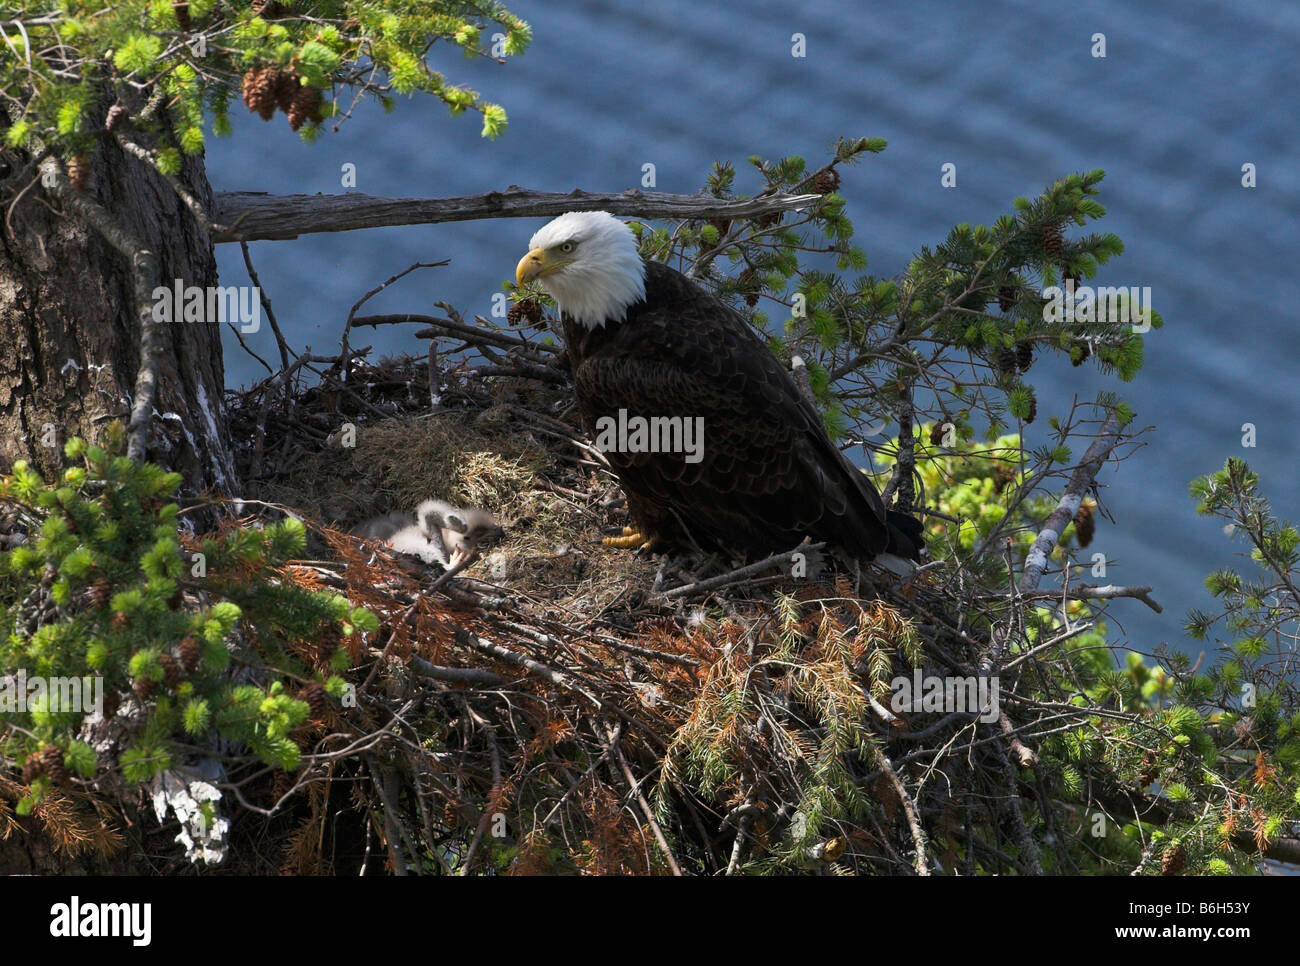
<point>69,328</point>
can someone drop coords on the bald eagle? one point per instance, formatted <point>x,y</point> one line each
<point>644,340</point>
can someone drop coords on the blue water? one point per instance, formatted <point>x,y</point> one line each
<point>1006,90</point>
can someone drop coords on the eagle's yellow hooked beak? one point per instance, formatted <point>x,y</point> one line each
<point>531,266</point>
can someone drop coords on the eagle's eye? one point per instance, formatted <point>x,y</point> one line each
<point>568,247</point>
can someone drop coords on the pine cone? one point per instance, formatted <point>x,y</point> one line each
<point>750,285</point>
<point>526,310</point>
<point>1085,524</point>
<point>1024,356</point>
<point>1172,862</point>
<point>826,181</point>
<point>306,106</point>
<point>116,114</point>
<point>120,620</point>
<point>768,220</point>
<point>33,768</point>
<point>325,648</point>
<point>79,171</point>
<point>101,592</point>
<point>1150,769</point>
<point>317,699</point>
<point>112,701</point>
<point>1005,361</point>
<point>1033,410</point>
<point>270,9</point>
<point>191,653</point>
<point>722,225</point>
<point>1084,352</point>
<point>976,301</point>
<point>1054,242</point>
<point>182,10</point>
<point>144,688</point>
<point>173,673</point>
<point>1069,274</point>
<point>1007,298</point>
<point>451,816</point>
<point>285,88</point>
<point>52,761</point>
<point>259,91</point>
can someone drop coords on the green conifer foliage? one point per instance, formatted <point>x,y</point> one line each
<point>173,69</point>
<point>201,646</point>
<point>974,302</point>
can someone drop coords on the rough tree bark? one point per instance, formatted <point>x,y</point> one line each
<point>69,329</point>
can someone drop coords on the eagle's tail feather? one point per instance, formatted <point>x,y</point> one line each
<point>906,535</point>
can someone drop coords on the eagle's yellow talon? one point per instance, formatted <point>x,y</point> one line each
<point>632,539</point>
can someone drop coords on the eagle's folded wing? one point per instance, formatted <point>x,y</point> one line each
<point>768,474</point>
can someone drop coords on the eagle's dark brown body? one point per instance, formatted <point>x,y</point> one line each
<point>769,475</point>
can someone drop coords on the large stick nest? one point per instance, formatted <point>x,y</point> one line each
<point>563,707</point>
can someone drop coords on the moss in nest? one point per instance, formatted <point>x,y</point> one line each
<point>448,456</point>
<point>583,577</point>
<point>495,480</point>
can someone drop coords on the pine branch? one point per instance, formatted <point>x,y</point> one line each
<point>1049,535</point>
<point>255,216</point>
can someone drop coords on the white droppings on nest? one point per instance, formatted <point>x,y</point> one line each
<point>650,695</point>
<point>184,792</point>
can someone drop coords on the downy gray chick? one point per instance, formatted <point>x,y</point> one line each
<point>439,533</point>
<point>463,530</point>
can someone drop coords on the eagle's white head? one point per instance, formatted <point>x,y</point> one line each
<point>588,262</point>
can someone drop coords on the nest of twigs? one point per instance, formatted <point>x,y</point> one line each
<point>564,707</point>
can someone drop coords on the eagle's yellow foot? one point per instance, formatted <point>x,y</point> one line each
<point>632,539</point>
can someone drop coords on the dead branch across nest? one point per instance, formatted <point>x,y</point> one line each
<point>257,216</point>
